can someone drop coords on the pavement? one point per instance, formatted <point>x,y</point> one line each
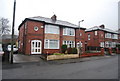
<point>20,59</point>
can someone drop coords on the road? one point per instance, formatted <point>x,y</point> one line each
<point>105,68</point>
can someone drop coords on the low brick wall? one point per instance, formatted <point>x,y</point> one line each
<point>91,54</point>
<point>57,57</point>
<point>68,56</point>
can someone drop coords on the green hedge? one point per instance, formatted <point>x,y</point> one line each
<point>64,48</point>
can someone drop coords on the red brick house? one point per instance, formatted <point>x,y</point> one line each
<point>100,37</point>
<point>40,35</point>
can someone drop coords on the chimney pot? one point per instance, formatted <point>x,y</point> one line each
<point>54,18</point>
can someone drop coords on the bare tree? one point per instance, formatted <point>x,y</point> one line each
<point>5,28</point>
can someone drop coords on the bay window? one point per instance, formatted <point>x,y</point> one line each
<point>51,44</point>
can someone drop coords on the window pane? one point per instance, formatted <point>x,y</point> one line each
<point>69,43</point>
<point>53,44</point>
<point>38,50</point>
<point>38,44</point>
<point>52,29</point>
<point>68,31</point>
<point>35,50</point>
<point>46,43</point>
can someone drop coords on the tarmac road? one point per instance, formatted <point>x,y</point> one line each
<point>105,68</point>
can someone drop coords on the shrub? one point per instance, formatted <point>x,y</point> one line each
<point>69,50</point>
<point>64,48</point>
<point>74,50</point>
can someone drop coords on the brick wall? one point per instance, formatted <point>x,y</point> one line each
<point>27,34</point>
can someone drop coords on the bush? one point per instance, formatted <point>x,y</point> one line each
<point>64,48</point>
<point>74,50</point>
<point>69,50</point>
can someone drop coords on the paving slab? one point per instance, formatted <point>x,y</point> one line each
<point>20,58</point>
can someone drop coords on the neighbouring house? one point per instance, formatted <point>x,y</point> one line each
<point>6,39</point>
<point>40,35</point>
<point>100,37</point>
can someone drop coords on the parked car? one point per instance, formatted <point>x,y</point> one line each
<point>15,49</point>
<point>1,52</point>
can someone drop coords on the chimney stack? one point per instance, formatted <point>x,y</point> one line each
<point>54,18</point>
<point>102,26</point>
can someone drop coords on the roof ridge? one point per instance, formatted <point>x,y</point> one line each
<point>50,18</point>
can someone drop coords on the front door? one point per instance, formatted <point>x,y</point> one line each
<point>36,47</point>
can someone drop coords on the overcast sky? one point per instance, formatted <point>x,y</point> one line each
<point>94,12</point>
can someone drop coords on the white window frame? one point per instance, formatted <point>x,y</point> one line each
<point>48,46</point>
<point>113,44</point>
<point>66,31</point>
<point>107,44</point>
<point>79,44</point>
<point>108,35</point>
<point>96,32</point>
<point>34,47</point>
<point>88,36</point>
<point>52,29</point>
<point>114,36</point>
<point>101,44</point>
<point>80,34</point>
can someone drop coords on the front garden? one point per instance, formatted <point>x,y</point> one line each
<point>67,53</point>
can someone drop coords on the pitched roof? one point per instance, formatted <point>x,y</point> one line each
<point>99,28</point>
<point>8,36</point>
<point>57,22</point>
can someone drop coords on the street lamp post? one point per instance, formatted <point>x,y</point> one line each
<point>12,37</point>
<point>79,38</point>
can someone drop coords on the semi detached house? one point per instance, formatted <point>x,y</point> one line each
<point>40,35</point>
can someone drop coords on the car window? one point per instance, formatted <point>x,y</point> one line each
<point>1,49</point>
<point>9,46</point>
<point>14,46</point>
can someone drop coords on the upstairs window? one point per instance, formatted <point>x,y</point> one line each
<point>95,32</point>
<point>88,36</point>
<point>69,31</point>
<point>114,36</point>
<point>108,35</point>
<point>52,29</point>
